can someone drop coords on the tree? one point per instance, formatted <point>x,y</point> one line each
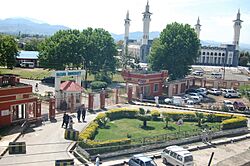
<point>61,50</point>
<point>244,58</point>
<point>90,49</point>
<point>32,44</point>
<point>144,118</point>
<point>176,50</point>
<point>8,51</point>
<point>199,117</point>
<point>166,119</point>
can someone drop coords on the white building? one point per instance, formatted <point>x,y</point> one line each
<point>224,55</point>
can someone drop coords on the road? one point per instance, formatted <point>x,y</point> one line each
<point>221,152</point>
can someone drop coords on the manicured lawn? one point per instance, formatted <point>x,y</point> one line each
<point>38,74</point>
<point>120,128</point>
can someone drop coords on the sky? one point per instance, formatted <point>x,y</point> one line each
<point>216,16</point>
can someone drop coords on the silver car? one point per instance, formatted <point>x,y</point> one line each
<point>141,160</point>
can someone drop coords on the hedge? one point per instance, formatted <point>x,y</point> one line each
<point>234,123</point>
<point>120,113</point>
<point>89,132</point>
<point>155,114</point>
<point>98,85</point>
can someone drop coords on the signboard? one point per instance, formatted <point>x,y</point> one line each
<point>69,73</point>
<point>5,112</point>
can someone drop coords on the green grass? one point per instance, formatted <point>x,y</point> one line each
<point>38,74</point>
<point>120,128</point>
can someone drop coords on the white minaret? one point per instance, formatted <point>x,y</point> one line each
<point>237,27</point>
<point>198,28</point>
<point>146,21</point>
<point>126,24</point>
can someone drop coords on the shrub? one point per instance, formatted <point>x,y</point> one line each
<point>120,113</point>
<point>144,118</point>
<point>89,132</point>
<point>155,115</point>
<point>106,146</point>
<point>102,119</point>
<point>98,85</point>
<point>186,116</point>
<point>234,123</point>
<point>141,111</point>
<point>103,77</point>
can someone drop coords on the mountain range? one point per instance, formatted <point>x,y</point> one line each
<point>32,26</point>
<point>28,26</point>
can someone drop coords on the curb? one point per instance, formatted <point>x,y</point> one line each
<point>195,148</point>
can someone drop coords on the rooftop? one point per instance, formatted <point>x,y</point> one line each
<point>28,55</point>
<point>70,86</point>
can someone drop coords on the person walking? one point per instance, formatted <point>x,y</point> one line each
<point>67,121</point>
<point>97,160</point>
<point>79,111</point>
<point>64,119</point>
<point>70,122</point>
<point>83,113</point>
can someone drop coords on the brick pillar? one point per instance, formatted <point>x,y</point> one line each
<point>72,103</point>
<point>130,91</point>
<point>116,96</point>
<point>102,99</point>
<point>12,80</point>
<point>1,80</point>
<point>52,111</point>
<point>91,101</point>
<point>38,108</point>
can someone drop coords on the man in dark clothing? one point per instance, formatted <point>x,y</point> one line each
<point>79,111</point>
<point>83,113</point>
<point>64,118</point>
<point>67,120</point>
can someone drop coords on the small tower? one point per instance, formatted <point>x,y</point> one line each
<point>198,28</point>
<point>237,27</point>
<point>126,24</point>
<point>146,21</point>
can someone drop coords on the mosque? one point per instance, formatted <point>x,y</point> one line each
<point>223,55</point>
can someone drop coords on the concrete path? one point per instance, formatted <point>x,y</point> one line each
<point>44,144</point>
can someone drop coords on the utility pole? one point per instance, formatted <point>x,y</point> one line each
<point>211,158</point>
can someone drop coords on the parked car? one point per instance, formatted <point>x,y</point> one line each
<point>141,160</point>
<point>239,105</point>
<point>214,91</point>
<point>191,90</point>
<point>216,75</point>
<point>168,101</point>
<point>48,80</point>
<point>198,73</point>
<point>230,93</point>
<point>228,105</point>
<point>202,91</point>
<point>176,155</point>
<point>195,99</point>
<point>196,94</point>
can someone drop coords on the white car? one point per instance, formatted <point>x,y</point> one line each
<point>228,105</point>
<point>198,73</point>
<point>196,94</point>
<point>230,93</point>
<point>141,160</point>
<point>214,91</point>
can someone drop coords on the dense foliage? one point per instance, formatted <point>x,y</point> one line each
<point>8,51</point>
<point>176,50</point>
<point>91,49</point>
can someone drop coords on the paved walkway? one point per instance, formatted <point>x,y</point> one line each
<point>44,144</point>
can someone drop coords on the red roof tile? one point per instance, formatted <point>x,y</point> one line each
<point>71,86</point>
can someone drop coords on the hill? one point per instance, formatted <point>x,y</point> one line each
<point>28,26</point>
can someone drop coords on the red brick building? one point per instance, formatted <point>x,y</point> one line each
<point>149,84</point>
<point>17,103</point>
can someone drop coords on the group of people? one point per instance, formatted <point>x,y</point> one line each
<point>81,112</point>
<point>68,120</point>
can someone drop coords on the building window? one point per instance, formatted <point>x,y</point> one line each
<point>219,54</point>
<point>207,53</point>
<point>211,53</point>
<point>204,53</point>
<point>215,54</point>
<point>203,59</point>
<point>156,87</point>
<point>223,54</point>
